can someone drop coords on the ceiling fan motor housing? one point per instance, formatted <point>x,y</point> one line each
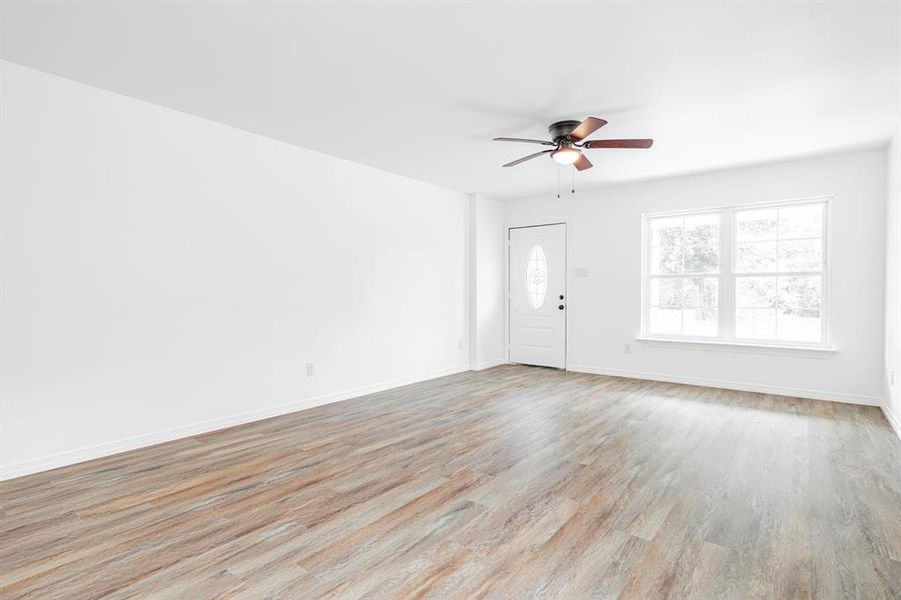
<point>561,129</point>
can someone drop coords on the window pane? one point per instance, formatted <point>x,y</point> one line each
<point>800,255</point>
<point>665,320</point>
<point>666,260</point>
<point>666,292</point>
<point>797,325</point>
<point>797,318</point>
<point>699,291</point>
<point>684,305</point>
<point>701,241</point>
<point>536,276</point>
<point>702,227</point>
<point>755,257</point>
<point>687,244</point>
<point>691,292</point>
<point>666,231</point>
<point>666,246</point>
<point>702,257</point>
<point>801,221</point>
<point>756,224</point>
<point>679,292</point>
<point>709,291</point>
<point>801,293</point>
<point>699,321</point>
<point>755,323</point>
<point>755,292</point>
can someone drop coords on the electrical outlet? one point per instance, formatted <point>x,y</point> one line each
<point>311,369</point>
<point>627,348</point>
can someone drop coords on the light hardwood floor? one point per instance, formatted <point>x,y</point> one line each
<point>514,482</point>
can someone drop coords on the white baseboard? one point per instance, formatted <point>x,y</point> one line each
<point>892,419</point>
<point>734,385</point>
<point>72,457</point>
<point>487,364</point>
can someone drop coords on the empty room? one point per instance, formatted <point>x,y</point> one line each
<point>408,299</point>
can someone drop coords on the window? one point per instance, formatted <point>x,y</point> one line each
<point>536,276</point>
<point>684,274</point>
<point>750,274</point>
<point>779,272</point>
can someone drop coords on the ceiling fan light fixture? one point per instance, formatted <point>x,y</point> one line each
<point>566,155</point>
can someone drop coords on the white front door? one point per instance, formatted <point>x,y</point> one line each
<point>537,289</point>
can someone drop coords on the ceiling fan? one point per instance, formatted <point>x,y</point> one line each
<point>567,139</point>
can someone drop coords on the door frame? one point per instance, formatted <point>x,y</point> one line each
<point>507,244</point>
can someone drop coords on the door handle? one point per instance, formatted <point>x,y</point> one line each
<point>560,307</point>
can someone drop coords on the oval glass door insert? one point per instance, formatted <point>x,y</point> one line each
<point>536,276</point>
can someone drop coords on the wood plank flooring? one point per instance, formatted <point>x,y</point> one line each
<point>515,482</point>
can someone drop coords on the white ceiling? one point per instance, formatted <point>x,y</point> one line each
<point>420,88</point>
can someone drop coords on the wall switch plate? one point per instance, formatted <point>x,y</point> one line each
<point>627,348</point>
<point>891,378</point>
<point>460,345</point>
<point>311,368</point>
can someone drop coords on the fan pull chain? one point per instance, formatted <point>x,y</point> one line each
<point>573,191</point>
<point>558,183</point>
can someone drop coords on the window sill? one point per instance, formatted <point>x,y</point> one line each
<point>740,347</point>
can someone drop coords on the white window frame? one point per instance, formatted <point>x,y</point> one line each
<point>726,310</point>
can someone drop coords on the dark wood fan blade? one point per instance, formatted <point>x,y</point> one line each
<point>525,158</point>
<point>527,141</point>
<point>586,128</point>
<point>618,144</point>
<point>582,163</point>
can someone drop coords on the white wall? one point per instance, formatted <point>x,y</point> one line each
<point>892,372</point>
<point>489,254</point>
<point>163,274</point>
<point>604,308</point>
